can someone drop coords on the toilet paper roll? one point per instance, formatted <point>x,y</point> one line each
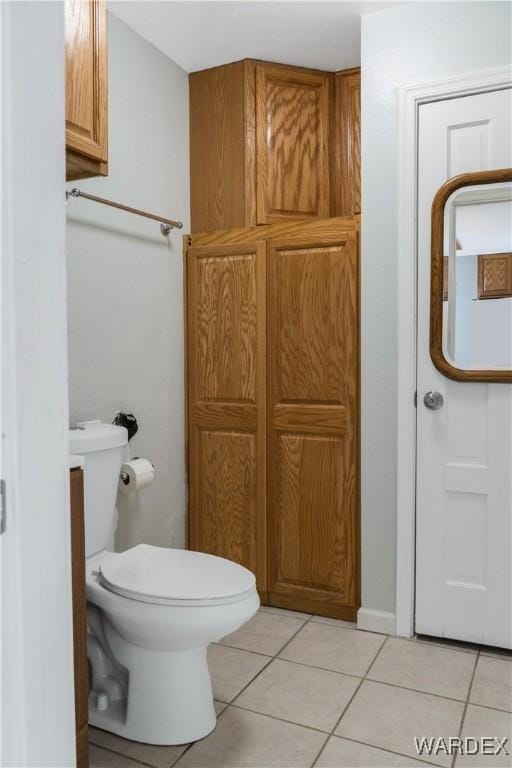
<point>136,474</point>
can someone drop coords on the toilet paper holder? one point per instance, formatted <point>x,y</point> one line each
<point>124,475</point>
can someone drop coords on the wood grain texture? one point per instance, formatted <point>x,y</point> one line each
<point>346,144</point>
<point>81,167</point>
<point>217,147</point>
<point>228,495</point>
<point>226,328</point>
<point>226,320</point>
<point>250,142</point>
<point>81,667</point>
<point>326,419</point>
<point>280,230</point>
<point>313,449</point>
<point>494,275</point>
<point>86,85</point>
<point>292,143</point>
<point>240,173</point>
<point>436,276</point>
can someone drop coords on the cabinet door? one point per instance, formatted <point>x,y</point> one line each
<point>313,430</point>
<point>226,372</point>
<point>292,136</point>
<point>86,79</point>
<point>346,144</point>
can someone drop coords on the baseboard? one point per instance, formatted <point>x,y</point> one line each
<point>376,621</point>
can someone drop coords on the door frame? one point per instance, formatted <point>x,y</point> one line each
<point>410,98</point>
<point>37,717</point>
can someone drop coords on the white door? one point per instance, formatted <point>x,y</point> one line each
<point>464,453</point>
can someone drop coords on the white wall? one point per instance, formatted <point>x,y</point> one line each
<point>406,45</point>
<point>125,282</point>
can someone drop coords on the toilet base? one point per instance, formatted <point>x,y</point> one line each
<point>169,698</point>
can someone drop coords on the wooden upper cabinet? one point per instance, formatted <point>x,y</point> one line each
<point>346,144</point>
<point>494,275</point>
<point>292,137</point>
<point>259,145</point>
<point>86,88</point>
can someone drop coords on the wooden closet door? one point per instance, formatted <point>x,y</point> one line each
<point>292,143</point>
<point>226,370</point>
<point>313,432</point>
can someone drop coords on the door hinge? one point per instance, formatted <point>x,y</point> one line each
<point>2,506</point>
<point>415,398</point>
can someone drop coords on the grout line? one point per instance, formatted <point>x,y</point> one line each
<point>492,709</point>
<point>351,674</point>
<point>305,621</point>
<point>466,703</point>
<point>345,708</point>
<point>277,655</point>
<point>375,658</point>
<point>313,666</point>
<point>270,660</point>
<point>416,690</point>
<point>389,751</point>
<point>174,762</point>
<point>229,703</point>
<point>323,731</point>
<point>237,648</point>
<point>123,754</point>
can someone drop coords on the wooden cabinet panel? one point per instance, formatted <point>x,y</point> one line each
<point>273,407</point>
<point>313,423</point>
<point>226,389</point>
<point>86,88</point>
<point>292,135</point>
<point>79,617</point>
<point>272,143</point>
<point>227,495</point>
<point>494,275</point>
<point>309,344</point>
<point>217,147</point>
<point>226,328</point>
<point>311,562</point>
<point>346,144</point>
<point>259,145</point>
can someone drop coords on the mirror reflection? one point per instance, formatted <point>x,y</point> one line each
<point>477,277</point>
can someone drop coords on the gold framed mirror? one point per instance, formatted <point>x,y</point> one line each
<point>471,277</point>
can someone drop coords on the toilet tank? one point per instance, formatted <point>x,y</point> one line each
<point>103,448</point>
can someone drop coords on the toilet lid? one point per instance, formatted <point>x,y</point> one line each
<point>170,576</point>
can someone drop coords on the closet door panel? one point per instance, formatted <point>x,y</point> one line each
<point>227,494</point>
<point>292,136</point>
<point>226,371</point>
<point>313,423</point>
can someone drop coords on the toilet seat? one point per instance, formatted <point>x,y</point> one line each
<point>174,577</point>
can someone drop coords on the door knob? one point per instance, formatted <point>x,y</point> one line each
<point>433,400</point>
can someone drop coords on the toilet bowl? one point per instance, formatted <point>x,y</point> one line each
<point>152,612</point>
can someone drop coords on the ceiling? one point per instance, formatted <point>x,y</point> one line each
<point>197,34</point>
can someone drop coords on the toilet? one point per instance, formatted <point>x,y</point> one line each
<point>151,613</point>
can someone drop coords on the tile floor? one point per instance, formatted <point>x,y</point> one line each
<point>294,691</point>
